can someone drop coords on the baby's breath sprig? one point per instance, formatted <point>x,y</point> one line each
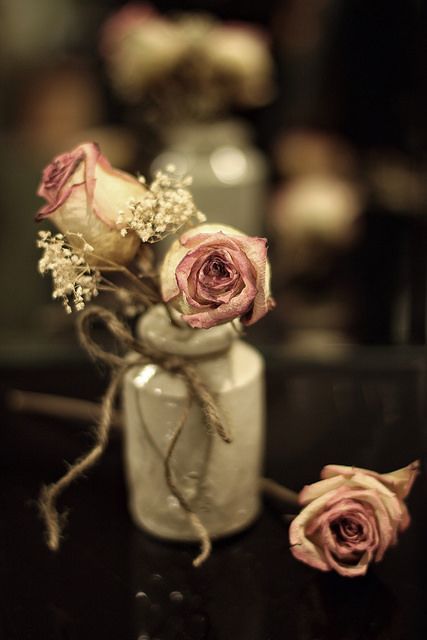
<point>166,207</point>
<point>75,282</point>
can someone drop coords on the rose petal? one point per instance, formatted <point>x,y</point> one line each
<point>169,286</point>
<point>256,250</point>
<point>112,190</point>
<point>211,316</point>
<point>54,195</point>
<point>399,481</point>
<point>387,513</point>
<point>347,570</point>
<point>193,261</point>
<point>312,491</point>
<point>358,513</point>
<point>302,547</point>
<point>355,480</point>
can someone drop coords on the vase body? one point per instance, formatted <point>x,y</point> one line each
<point>219,480</point>
<point>229,173</point>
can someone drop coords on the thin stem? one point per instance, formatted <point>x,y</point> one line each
<point>58,406</point>
<point>113,288</point>
<point>121,269</point>
<point>275,490</point>
<point>107,287</point>
<point>151,293</point>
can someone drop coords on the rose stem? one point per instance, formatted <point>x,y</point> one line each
<point>275,490</point>
<point>150,292</point>
<point>57,406</point>
<point>122,269</point>
<point>111,286</point>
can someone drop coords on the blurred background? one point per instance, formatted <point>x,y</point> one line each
<point>300,120</point>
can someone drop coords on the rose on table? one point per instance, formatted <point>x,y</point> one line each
<point>351,517</point>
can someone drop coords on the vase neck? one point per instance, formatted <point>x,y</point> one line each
<point>156,328</point>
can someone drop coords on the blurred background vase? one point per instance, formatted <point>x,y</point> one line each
<point>229,173</point>
<point>219,480</point>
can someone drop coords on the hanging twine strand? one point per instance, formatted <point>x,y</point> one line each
<point>197,390</point>
<point>54,521</point>
<point>195,521</point>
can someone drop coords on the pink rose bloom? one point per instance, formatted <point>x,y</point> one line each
<point>350,517</point>
<point>84,194</point>
<point>214,274</point>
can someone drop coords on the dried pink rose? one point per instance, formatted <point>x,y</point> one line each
<point>214,274</point>
<point>84,194</point>
<point>350,517</point>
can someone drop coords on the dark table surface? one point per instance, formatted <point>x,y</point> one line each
<point>112,581</point>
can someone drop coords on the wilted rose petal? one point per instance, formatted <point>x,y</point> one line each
<point>350,517</point>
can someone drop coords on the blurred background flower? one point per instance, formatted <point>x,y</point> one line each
<point>189,66</point>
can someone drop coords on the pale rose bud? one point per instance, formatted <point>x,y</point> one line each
<point>214,273</point>
<point>350,517</point>
<point>84,194</point>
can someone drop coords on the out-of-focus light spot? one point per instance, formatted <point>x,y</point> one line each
<point>228,164</point>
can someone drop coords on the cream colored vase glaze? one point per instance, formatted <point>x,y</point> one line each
<point>228,172</point>
<point>218,479</point>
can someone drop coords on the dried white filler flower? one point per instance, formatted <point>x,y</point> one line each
<point>74,280</point>
<point>165,208</point>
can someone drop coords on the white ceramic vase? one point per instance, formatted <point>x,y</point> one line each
<point>229,173</point>
<point>219,480</point>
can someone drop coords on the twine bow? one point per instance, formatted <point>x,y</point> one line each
<point>197,390</point>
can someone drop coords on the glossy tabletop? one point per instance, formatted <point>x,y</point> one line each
<point>112,581</point>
